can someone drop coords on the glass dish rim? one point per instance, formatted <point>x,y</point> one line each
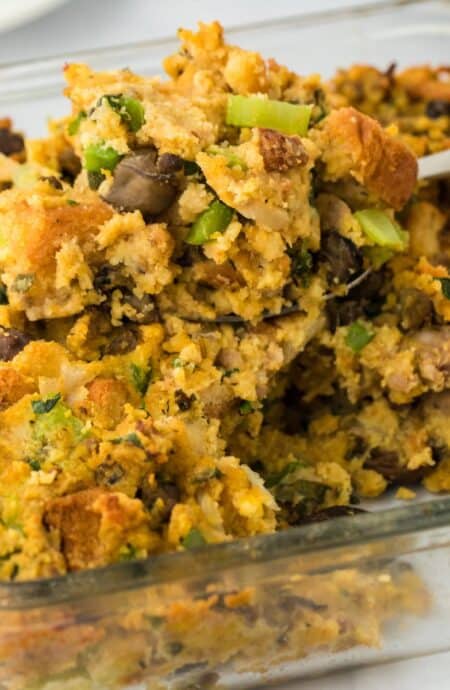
<point>296,541</point>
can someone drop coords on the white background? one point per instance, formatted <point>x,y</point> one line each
<point>84,24</point>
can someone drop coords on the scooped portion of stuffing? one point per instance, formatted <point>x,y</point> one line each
<point>223,310</point>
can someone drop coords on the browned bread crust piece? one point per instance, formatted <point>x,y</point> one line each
<point>355,144</point>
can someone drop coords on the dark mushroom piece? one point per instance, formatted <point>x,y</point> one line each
<point>387,463</point>
<point>343,258</point>
<point>10,142</point>
<point>416,309</point>
<point>69,164</point>
<point>12,342</point>
<point>142,182</point>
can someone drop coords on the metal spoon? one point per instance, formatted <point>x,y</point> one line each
<point>435,166</point>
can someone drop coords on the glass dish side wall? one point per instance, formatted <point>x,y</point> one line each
<point>226,625</point>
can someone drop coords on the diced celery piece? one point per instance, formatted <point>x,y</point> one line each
<point>99,157</point>
<point>381,230</point>
<point>254,111</point>
<point>216,218</point>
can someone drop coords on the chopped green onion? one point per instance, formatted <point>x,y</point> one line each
<point>216,218</point>
<point>95,179</point>
<point>246,407</point>
<point>45,405</point>
<point>378,255</point>
<point>232,159</point>
<point>277,478</point>
<point>98,157</point>
<point>253,111</point>
<point>358,336</point>
<point>128,553</point>
<point>207,475</point>
<point>193,539</point>
<point>301,266</point>
<point>141,377</point>
<point>74,125</point>
<point>381,229</point>
<point>3,295</point>
<point>191,168</point>
<point>445,286</point>
<point>132,438</point>
<point>229,372</point>
<point>131,110</point>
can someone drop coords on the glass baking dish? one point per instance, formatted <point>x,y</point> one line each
<point>352,591</point>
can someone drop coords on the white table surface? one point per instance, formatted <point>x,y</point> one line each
<point>90,23</point>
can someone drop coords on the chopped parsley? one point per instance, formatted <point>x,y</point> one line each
<point>445,287</point>
<point>246,407</point>
<point>45,405</point>
<point>74,125</point>
<point>358,336</point>
<point>193,539</point>
<point>277,478</point>
<point>3,294</point>
<point>132,438</point>
<point>141,377</point>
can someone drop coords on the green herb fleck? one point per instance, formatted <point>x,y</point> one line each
<point>34,464</point>
<point>132,438</point>
<point>301,266</point>
<point>229,372</point>
<point>95,179</point>
<point>193,539</point>
<point>358,336</point>
<point>131,110</point>
<point>3,294</point>
<point>177,362</point>
<point>233,161</point>
<point>141,377</point>
<point>445,287</point>
<point>23,282</point>
<point>128,553</point>
<point>45,405</point>
<point>213,473</point>
<point>74,125</point>
<point>215,219</point>
<point>277,478</point>
<point>191,168</point>
<point>246,407</point>
<point>98,157</point>
<point>72,202</point>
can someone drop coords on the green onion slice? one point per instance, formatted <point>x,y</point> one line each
<point>379,228</point>
<point>74,125</point>
<point>216,218</point>
<point>193,539</point>
<point>98,157</point>
<point>445,286</point>
<point>131,110</point>
<point>358,336</point>
<point>253,111</point>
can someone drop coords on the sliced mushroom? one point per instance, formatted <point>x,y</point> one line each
<point>416,309</point>
<point>342,256</point>
<point>69,164</point>
<point>387,463</point>
<point>141,183</point>
<point>12,342</point>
